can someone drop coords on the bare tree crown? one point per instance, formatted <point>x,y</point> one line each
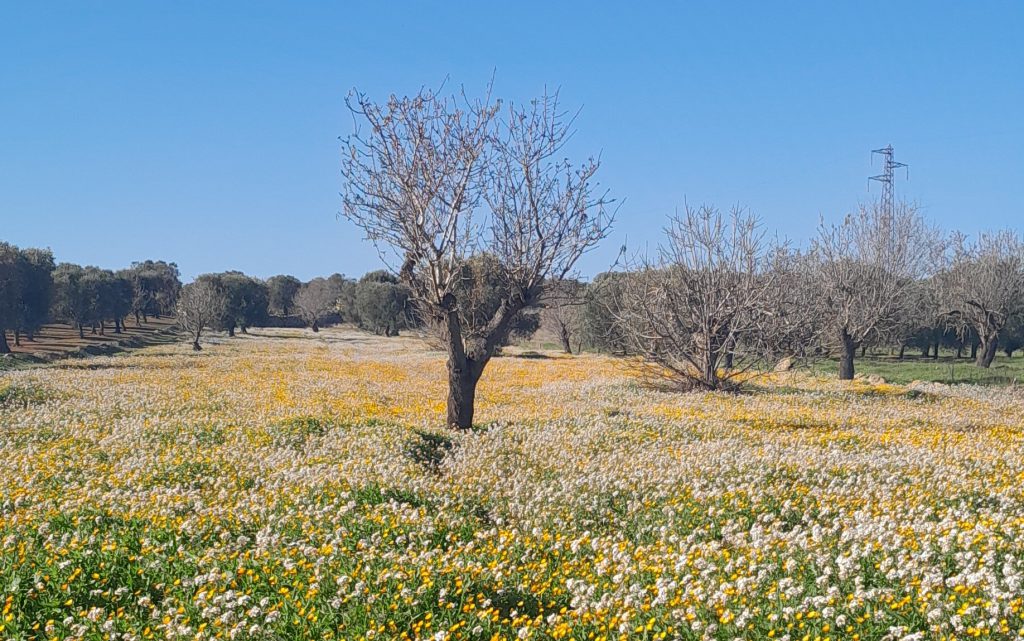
<point>866,266</point>
<point>413,173</point>
<point>440,179</point>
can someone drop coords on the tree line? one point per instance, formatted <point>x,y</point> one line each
<point>377,302</point>
<point>35,291</point>
<point>449,182</point>
<point>717,299</point>
<point>231,301</point>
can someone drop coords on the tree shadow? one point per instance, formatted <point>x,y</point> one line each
<point>530,356</point>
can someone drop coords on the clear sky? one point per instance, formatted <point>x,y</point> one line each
<point>207,132</point>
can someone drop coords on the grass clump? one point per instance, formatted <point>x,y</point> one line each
<point>23,395</point>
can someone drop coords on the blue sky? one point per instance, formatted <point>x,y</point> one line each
<point>207,133</point>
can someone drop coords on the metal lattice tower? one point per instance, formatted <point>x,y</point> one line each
<point>886,177</point>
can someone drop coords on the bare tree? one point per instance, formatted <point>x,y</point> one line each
<point>864,270</point>
<point>700,308</point>
<point>441,180</point>
<point>984,288</point>
<point>795,323</point>
<point>563,310</point>
<point>315,300</point>
<point>200,306</point>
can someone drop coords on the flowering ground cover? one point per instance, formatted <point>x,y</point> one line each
<point>286,486</point>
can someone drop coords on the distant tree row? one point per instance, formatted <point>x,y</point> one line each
<point>717,299</point>
<point>378,302</point>
<point>34,291</point>
<point>232,300</point>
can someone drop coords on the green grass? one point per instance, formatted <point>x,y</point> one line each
<point>946,369</point>
<point>22,395</point>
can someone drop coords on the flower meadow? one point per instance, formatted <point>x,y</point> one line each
<point>286,486</point>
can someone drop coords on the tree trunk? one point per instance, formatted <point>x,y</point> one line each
<point>30,336</point>
<point>17,338</point>
<point>462,380</point>
<point>1008,351</point>
<point>231,330</point>
<point>563,334</point>
<point>245,330</point>
<point>974,350</point>
<point>987,353</point>
<point>728,360</point>
<point>863,350</point>
<point>935,354</point>
<point>316,326</point>
<point>466,361</point>
<point>926,350</point>
<point>103,328</point>
<point>137,323</point>
<point>144,318</point>
<point>709,371</point>
<point>4,347</point>
<point>903,349</point>
<point>117,325</point>
<point>81,331</point>
<point>846,357</point>
<point>195,346</point>
<point>959,351</point>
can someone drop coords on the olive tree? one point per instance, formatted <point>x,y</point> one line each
<point>984,288</point>
<point>72,300</point>
<point>1011,338</point>
<point>246,300</point>
<point>36,294</point>
<point>155,287</point>
<point>26,290</point>
<point>10,291</point>
<point>111,297</point>
<point>438,180</point>
<point>864,271</point>
<point>282,290</point>
<point>381,304</point>
<point>602,305</point>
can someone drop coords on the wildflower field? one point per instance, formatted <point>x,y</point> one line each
<point>292,486</point>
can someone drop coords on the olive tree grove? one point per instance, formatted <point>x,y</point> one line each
<point>437,180</point>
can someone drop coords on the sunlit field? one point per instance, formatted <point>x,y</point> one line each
<point>287,485</point>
